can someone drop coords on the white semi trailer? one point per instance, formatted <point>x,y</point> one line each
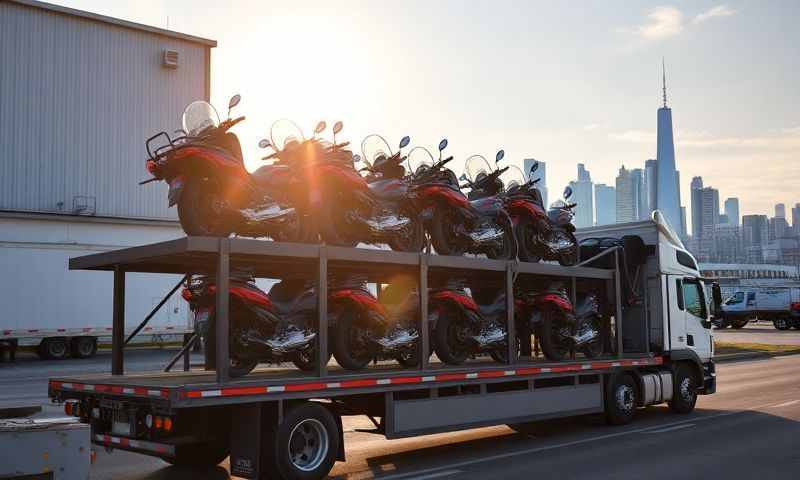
<point>284,423</point>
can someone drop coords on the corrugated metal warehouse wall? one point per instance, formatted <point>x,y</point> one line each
<point>78,98</point>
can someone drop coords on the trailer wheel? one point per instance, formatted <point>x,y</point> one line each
<point>781,324</point>
<point>83,347</point>
<point>54,348</point>
<point>304,446</point>
<point>621,399</point>
<point>684,394</point>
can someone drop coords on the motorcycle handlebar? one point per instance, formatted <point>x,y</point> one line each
<point>228,124</point>
<point>270,157</point>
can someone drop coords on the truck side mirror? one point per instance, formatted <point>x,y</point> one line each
<point>716,294</point>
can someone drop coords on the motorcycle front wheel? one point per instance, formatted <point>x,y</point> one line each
<point>550,338</point>
<point>526,240</point>
<point>508,250</point>
<point>411,239</point>
<point>450,338</point>
<point>568,256</point>
<point>200,209</point>
<point>334,228</point>
<point>444,235</point>
<point>350,347</point>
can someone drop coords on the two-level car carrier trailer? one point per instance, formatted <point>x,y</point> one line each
<point>285,423</point>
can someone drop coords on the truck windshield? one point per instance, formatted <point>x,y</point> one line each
<point>738,297</point>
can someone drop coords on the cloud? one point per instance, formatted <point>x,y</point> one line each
<point>662,22</point>
<point>718,11</point>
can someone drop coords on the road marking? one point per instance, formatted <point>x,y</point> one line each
<point>785,404</point>
<point>528,451</point>
<point>446,473</point>
<point>670,429</point>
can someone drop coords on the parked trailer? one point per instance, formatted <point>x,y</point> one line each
<point>63,313</point>
<point>284,423</point>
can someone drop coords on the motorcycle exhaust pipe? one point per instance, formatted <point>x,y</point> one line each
<point>398,340</point>
<point>288,342</point>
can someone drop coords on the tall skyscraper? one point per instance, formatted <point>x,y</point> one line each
<point>755,236</point>
<point>696,186</point>
<point>705,205</point>
<point>605,199</point>
<point>541,172</point>
<point>732,211</point>
<point>639,194</point>
<point>583,196</point>
<point>780,210</point>
<point>626,200</point>
<point>796,219</point>
<point>667,197</point>
<point>651,183</point>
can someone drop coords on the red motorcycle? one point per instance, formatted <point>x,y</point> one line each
<point>214,192</point>
<point>341,206</point>
<point>560,326</point>
<point>457,225</point>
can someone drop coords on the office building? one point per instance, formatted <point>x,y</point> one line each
<point>732,211</point>
<point>605,199</point>
<point>667,194</point>
<point>582,194</point>
<point>651,183</point>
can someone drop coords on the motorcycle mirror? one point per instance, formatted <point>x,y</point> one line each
<point>534,167</point>
<point>499,156</point>
<point>234,101</point>
<point>567,192</point>
<point>443,144</point>
<point>321,126</point>
<point>337,127</point>
<point>356,158</point>
<point>462,177</point>
<point>263,143</point>
<point>405,141</point>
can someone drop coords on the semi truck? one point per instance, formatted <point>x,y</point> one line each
<point>781,305</point>
<point>285,423</point>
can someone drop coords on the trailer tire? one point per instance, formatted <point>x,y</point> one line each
<point>53,348</point>
<point>781,324</point>
<point>304,445</point>
<point>684,395</point>
<point>621,398</point>
<point>83,347</point>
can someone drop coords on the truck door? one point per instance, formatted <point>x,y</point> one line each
<point>751,301</point>
<point>698,327</point>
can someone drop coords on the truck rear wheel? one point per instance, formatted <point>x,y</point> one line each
<point>83,347</point>
<point>621,399</point>
<point>54,348</point>
<point>781,324</point>
<point>305,445</point>
<point>684,394</point>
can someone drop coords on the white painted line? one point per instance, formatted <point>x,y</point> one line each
<point>446,473</point>
<point>785,404</point>
<point>670,429</point>
<point>554,447</point>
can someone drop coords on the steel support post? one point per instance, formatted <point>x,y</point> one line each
<point>155,310</point>
<point>188,343</point>
<point>222,317</point>
<point>618,297</point>
<point>118,323</point>
<point>424,327</point>
<point>510,324</point>
<point>322,313</point>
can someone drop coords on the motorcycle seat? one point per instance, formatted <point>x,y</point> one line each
<point>268,174</point>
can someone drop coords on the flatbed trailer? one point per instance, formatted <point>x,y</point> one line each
<point>284,423</point>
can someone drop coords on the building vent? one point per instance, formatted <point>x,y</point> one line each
<point>170,59</point>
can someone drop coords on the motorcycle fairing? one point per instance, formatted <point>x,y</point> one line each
<point>559,301</point>
<point>207,160</point>
<point>464,301</point>
<point>450,196</point>
<point>246,295</point>
<point>393,190</point>
<point>524,207</point>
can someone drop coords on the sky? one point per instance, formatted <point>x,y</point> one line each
<point>563,82</point>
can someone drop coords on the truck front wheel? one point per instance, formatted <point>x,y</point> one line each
<point>781,324</point>
<point>620,399</point>
<point>305,445</point>
<point>684,394</point>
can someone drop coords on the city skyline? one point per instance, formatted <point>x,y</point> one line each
<point>581,94</point>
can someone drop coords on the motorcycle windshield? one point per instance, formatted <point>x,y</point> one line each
<point>285,132</point>
<point>375,149</point>
<point>475,166</point>
<point>419,159</point>
<point>198,117</point>
<point>513,178</point>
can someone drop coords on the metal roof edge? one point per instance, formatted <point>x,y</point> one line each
<point>114,21</point>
